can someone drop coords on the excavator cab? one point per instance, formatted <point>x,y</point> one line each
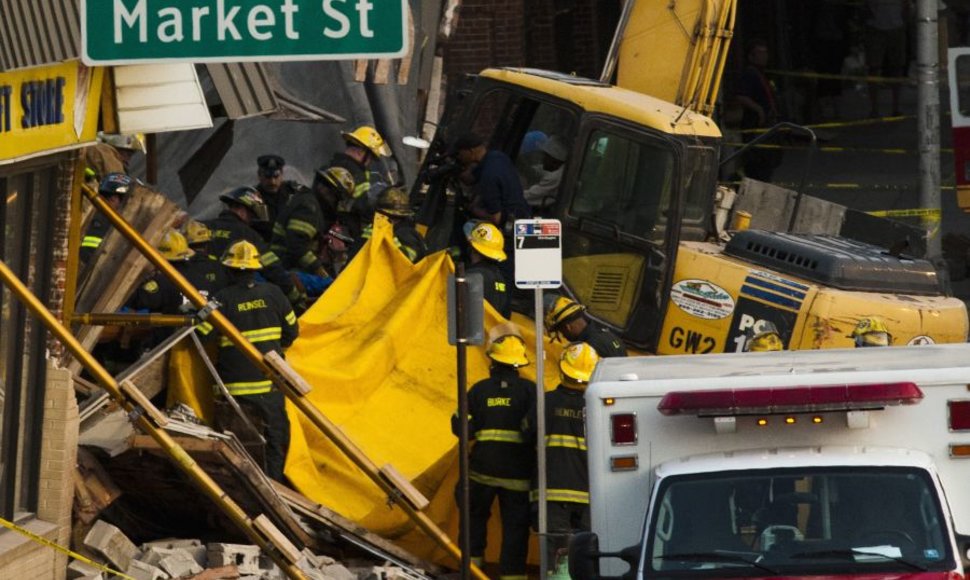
<point>636,179</point>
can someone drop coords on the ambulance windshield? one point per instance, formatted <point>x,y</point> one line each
<point>797,522</point>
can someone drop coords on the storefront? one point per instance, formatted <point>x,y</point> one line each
<point>46,114</point>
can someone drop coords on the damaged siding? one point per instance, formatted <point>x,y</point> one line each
<point>38,32</point>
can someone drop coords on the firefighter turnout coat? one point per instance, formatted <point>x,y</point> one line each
<point>567,475</point>
<point>228,228</point>
<point>501,409</point>
<point>298,230</point>
<point>264,316</point>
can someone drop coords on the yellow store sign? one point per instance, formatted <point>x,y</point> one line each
<point>48,109</point>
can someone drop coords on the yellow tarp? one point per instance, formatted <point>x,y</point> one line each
<point>375,349</point>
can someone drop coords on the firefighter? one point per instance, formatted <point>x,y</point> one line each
<point>764,340</point>
<point>871,331</point>
<point>158,293</point>
<point>363,146</point>
<point>111,154</point>
<point>394,205</point>
<point>501,410</point>
<point>307,218</point>
<point>275,191</point>
<point>263,315</point>
<point>199,236</point>
<point>486,250</point>
<point>244,206</point>
<point>567,475</point>
<point>113,188</point>
<point>568,317</point>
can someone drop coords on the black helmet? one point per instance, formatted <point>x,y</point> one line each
<point>115,184</point>
<point>393,201</point>
<point>249,198</point>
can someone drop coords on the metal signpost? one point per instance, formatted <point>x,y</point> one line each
<point>152,31</point>
<point>538,265</point>
<point>466,325</point>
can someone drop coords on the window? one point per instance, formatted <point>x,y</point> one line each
<point>625,183</point>
<point>799,522</point>
<point>26,218</point>
<point>543,152</point>
<point>492,115</point>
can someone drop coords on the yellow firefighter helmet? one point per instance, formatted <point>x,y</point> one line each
<point>871,331</point>
<point>340,179</point>
<point>368,138</point>
<point>486,239</point>
<point>197,232</point>
<point>508,349</point>
<point>766,339</point>
<point>173,246</point>
<point>576,365</point>
<point>242,255</point>
<point>561,310</point>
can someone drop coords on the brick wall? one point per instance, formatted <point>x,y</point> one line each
<point>62,217</point>
<point>560,35</point>
<point>20,557</point>
<point>489,33</point>
<point>23,558</point>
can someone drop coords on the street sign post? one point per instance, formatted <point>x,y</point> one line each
<point>538,265</point>
<point>152,31</point>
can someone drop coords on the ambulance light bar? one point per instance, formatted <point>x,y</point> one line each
<point>773,400</point>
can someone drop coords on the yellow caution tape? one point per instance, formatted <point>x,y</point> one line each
<point>854,78</point>
<point>923,212</point>
<point>45,542</point>
<point>838,124</point>
<point>846,185</point>
<point>831,149</point>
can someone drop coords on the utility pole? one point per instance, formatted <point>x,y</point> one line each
<point>928,121</point>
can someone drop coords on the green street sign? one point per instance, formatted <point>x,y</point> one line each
<point>151,31</point>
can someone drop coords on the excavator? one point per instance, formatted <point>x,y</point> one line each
<point>646,246</point>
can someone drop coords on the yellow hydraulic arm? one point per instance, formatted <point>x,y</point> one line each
<point>674,50</point>
<point>287,381</point>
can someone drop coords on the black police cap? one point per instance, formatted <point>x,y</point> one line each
<point>270,162</point>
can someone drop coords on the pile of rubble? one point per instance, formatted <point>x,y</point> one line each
<point>191,559</point>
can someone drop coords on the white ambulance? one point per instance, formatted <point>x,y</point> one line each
<point>823,464</point>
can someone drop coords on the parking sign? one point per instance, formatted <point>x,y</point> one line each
<point>538,253</point>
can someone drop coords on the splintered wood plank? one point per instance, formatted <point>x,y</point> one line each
<point>330,519</point>
<point>382,72</point>
<point>117,267</point>
<point>360,70</point>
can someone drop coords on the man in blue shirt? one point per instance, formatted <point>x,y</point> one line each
<point>497,189</point>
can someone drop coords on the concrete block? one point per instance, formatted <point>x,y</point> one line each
<point>111,543</point>
<point>179,564</point>
<point>97,576</point>
<point>244,557</point>
<point>337,572</point>
<point>78,569</point>
<point>194,547</point>
<point>142,571</point>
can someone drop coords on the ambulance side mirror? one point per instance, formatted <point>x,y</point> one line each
<point>584,557</point>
